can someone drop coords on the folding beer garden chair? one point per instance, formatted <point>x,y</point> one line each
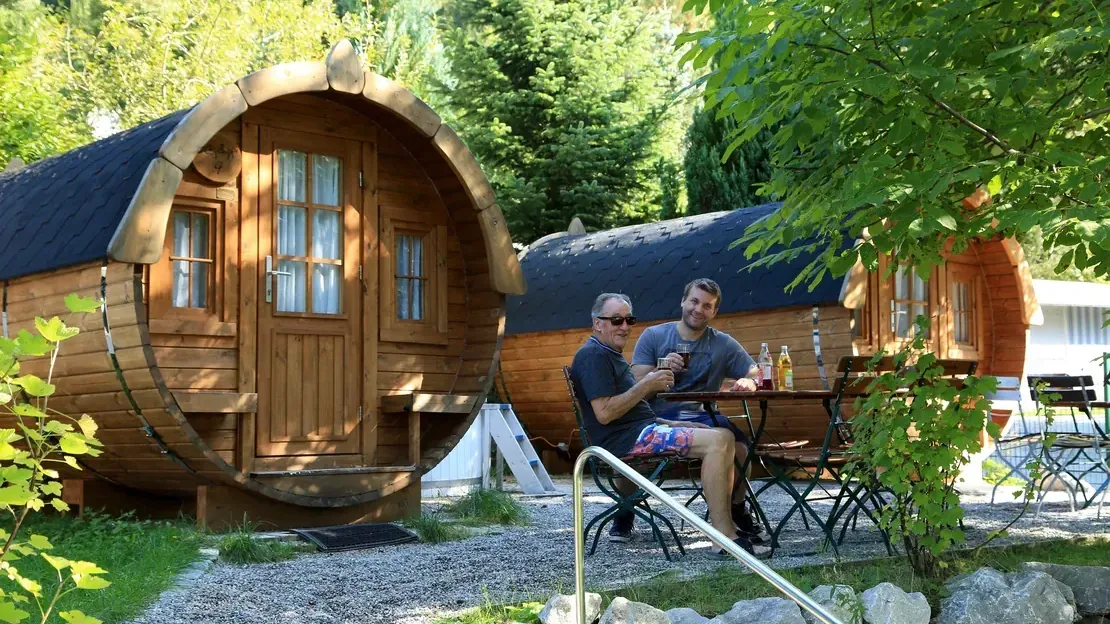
<point>1020,440</point>
<point>657,469</point>
<point>785,464</point>
<point>1073,446</point>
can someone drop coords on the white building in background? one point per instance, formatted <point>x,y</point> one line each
<point>1072,339</point>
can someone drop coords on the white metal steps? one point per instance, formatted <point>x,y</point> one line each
<point>506,431</point>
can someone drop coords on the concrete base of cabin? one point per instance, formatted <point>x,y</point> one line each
<point>219,507</point>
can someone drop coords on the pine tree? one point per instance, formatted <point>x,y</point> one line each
<point>564,102</point>
<point>712,185</point>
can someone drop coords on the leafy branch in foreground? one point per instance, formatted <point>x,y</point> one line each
<point>901,118</point>
<point>41,437</point>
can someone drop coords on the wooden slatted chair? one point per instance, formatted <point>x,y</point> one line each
<point>656,468</point>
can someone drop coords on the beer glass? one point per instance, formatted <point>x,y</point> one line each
<point>683,349</point>
<point>662,364</point>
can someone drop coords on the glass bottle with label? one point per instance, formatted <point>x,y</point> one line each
<point>786,371</point>
<point>766,369</point>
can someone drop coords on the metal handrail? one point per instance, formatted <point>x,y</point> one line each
<point>757,566</point>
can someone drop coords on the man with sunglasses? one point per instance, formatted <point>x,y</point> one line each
<point>616,414</point>
<point>715,357</point>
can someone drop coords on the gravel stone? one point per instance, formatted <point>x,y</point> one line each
<point>418,583</point>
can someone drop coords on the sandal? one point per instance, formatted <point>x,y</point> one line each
<point>757,551</point>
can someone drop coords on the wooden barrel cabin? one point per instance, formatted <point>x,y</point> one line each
<point>981,303</point>
<point>303,281</point>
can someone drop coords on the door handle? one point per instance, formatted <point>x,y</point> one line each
<point>269,281</point>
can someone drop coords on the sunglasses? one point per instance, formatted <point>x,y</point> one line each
<point>617,321</point>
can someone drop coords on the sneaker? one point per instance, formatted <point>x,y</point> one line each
<point>621,530</point>
<point>756,550</point>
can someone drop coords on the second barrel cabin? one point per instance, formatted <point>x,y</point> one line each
<point>303,281</point>
<point>981,303</point>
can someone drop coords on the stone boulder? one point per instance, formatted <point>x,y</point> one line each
<point>624,611</point>
<point>1089,584</point>
<point>762,610</point>
<point>988,596</point>
<point>839,600</point>
<point>887,603</point>
<point>684,615</point>
<point>562,609</point>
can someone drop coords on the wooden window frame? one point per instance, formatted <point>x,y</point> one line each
<point>432,329</point>
<point>956,273</point>
<point>161,273</point>
<point>864,343</point>
<point>885,303</point>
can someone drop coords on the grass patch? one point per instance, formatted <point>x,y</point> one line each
<point>240,547</point>
<point>142,558</point>
<point>994,471</point>
<point>482,507</point>
<point>433,530</point>
<point>716,592</point>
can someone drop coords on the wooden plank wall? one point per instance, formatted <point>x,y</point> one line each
<point>87,381</point>
<point>532,366</point>
<point>1007,337</point>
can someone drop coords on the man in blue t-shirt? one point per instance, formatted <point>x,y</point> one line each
<point>714,358</point>
<point>617,417</point>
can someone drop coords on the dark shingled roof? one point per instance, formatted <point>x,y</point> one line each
<point>651,264</point>
<point>63,210</point>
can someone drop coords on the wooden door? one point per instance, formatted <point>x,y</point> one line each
<point>311,303</point>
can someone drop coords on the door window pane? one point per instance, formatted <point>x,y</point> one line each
<point>291,176</point>
<point>181,236</point>
<point>961,313</point>
<point>325,180</point>
<point>325,234</point>
<point>911,299</point>
<point>326,286</point>
<point>291,289</point>
<point>180,294</point>
<point>291,231</point>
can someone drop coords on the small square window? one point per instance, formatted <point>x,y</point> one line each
<point>191,259</point>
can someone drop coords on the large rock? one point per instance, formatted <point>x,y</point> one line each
<point>838,600</point>
<point>987,596</point>
<point>624,611</point>
<point>684,615</point>
<point>562,609</point>
<point>1090,584</point>
<point>762,610</point>
<point>887,603</point>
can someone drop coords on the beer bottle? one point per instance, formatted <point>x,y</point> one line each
<point>786,371</point>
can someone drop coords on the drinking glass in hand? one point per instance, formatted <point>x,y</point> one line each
<point>684,351</point>
<point>662,364</point>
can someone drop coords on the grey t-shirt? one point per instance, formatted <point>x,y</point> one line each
<point>714,357</point>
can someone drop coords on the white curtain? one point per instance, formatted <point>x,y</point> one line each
<point>326,284</point>
<point>325,180</point>
<point>292,233</point>
<point>180,294</point>
<point>291,176</point>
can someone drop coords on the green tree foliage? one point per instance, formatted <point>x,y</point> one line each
<point>892,113</point>
<point>29,452</point>
<point>713,185</point>
<point>71,70</point>
<point>569,107</point>
<point>36,120</point>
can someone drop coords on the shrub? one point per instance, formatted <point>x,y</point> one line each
<point>433,530</point>
<point>42,436</point>
<point>918,472</point>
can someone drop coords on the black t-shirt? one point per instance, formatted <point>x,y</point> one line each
<point>599,371</point>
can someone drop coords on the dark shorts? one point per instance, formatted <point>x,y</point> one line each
<point>706,419</point>
<point>660,439</point>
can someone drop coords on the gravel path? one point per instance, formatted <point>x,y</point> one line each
<point>418,583</point>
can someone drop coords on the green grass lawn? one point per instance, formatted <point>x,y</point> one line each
<point>142,559</point>
<point>715,593</point>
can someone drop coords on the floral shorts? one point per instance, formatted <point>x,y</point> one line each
<point>660,439</point>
